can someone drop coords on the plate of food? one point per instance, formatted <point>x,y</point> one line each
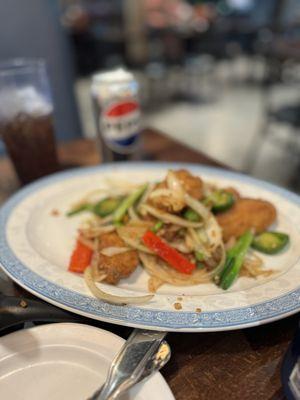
<point>176,247</point>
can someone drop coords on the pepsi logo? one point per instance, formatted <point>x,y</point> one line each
<point>120,109</point>
<point>121,120</point>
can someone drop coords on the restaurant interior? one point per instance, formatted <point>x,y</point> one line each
<point>216,82</point>
<point>230,68</point>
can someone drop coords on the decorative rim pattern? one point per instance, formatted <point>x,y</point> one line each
<point>236,318</point>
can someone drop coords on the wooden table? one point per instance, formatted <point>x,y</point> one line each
<point>242,364</point>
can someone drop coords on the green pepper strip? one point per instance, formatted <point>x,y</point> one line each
<point>157,226</point>
<point>106,206</point>
<point>234,260</point>
<point>219,200</point>
<point>191,215</point>
<point>199,256</point>
<point>79,209</point>
<point>127,203</point>
<point>231,254</point>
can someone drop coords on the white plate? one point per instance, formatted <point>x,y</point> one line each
<point>64,362</point>
<point>35,247</point>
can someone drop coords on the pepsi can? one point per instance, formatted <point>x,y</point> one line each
<point>117,113</point>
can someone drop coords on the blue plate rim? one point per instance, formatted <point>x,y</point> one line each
<point>236,318</point>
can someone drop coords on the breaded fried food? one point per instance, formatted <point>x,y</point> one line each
<point>193,185</point>
<point>118,266</point>
<point>246,214</point>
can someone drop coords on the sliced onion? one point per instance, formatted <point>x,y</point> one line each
<point>195,238</point>
<point>113,251</point>
<point>253,265</point>
<point>202,236</point>
<point>212,228</point>
<point>86,242</point>
<point>160,192</point>
<point>140,224</point>
<point>216,271</point>
<point>132,214</point>
<point>197,206</point>
<point>174,185</point>
<point>172,194</point>
<point>253,260</point>
<point>160,269</point>
<point>170,218</point>
<point>154,283</point>
<point>213,232</point>
<point>110,298</point>
<point>102,221</point>
<point>133,242</point>
<point>145,195</point>
<point>197,244</point>
<point>135,231</point>
<point>180,246</point>
<point>190,243</point>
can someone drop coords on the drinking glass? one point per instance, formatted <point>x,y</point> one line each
<point>26,118</point>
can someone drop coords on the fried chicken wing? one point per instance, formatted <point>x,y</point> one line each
<point>244,215</point>
<point>118,266</point>
<point>193,185</point>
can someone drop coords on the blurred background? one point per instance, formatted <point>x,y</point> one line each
<point>221,76</point>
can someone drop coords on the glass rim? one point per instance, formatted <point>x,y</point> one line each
<point>20,65</point>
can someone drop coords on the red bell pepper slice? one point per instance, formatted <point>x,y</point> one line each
<point>80,258</point>
<point>168,253</point>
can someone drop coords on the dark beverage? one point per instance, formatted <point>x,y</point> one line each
<point>26,118</point>
<point>30,142</point>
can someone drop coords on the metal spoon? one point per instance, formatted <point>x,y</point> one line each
<point>153,364</point>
